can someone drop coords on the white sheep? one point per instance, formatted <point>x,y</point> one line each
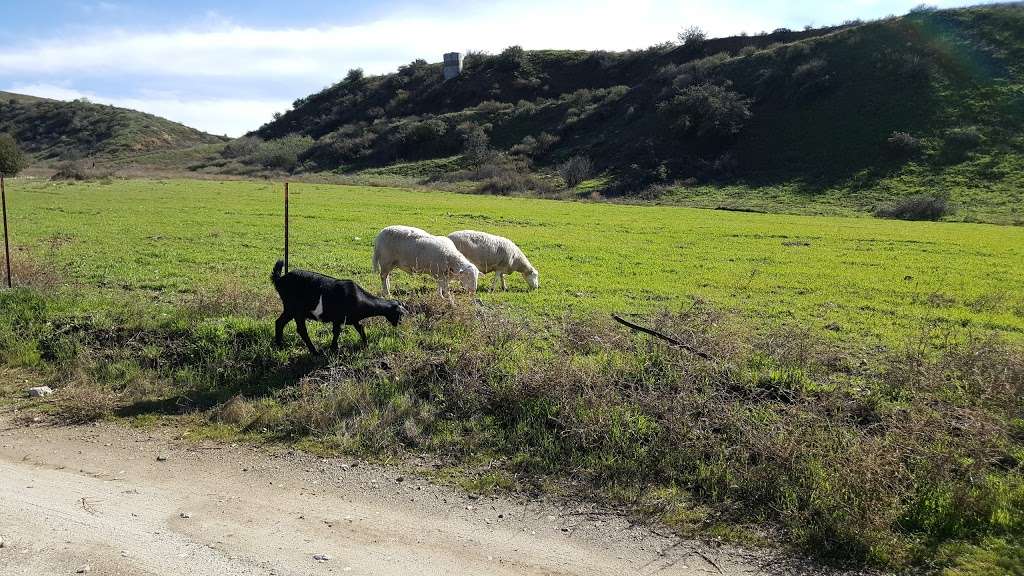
<point>417,251</point>
<point>490,253</point>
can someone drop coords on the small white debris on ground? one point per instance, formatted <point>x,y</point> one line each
<point>40,391</point>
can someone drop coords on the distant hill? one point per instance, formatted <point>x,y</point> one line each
<point>55,130</point>
<point>933,99</point>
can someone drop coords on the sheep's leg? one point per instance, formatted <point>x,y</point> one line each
<point>336,330</point>
<point>503,285</point>
<point>282,321</point>
<point>362,333</point>
<point>300,326</point>
<point>494,286</point>
<point>385,283</point>
<point>443,286</point>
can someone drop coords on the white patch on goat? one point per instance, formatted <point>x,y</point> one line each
<point>319,310</point>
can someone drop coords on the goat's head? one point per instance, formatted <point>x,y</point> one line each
<point>396,312</point>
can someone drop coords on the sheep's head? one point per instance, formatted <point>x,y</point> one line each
<point>468,275</point>
<point>532,278</point>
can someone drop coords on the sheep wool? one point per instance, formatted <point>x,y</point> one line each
<point>419,252</point>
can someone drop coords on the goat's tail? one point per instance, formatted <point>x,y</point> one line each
<point>275,276</point>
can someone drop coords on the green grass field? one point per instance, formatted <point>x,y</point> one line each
<point>863,393</point>
<point>866,280</point>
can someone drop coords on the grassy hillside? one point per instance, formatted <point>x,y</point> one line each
<point>57,130</point>
<point>865,397</point>
<point>858,114</point>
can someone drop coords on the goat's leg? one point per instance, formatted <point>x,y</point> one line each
<point>282,321</point>
<point>336,330</point>
<point>300,326</point>
<point>362,333</point>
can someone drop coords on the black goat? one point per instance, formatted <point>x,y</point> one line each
<point>311,296</point>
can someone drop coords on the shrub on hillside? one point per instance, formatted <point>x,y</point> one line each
<point>687,73</point>
<point>707,109</point>
<point>904,145</point>
<point>348,143</point>
<point>967,138</point>
<point>500,174</point>
<point>692,36</point>
<point>959,143</point>
<point>526,147</point>
<point>422,131</point>
<point>525,108</point>
<point>918,207</point>
<point>78,170</point>
<point>71,170</point>
<point>474,60</point>
<point>575,170</point>
<point>507,183</point>
<point>241,147</point>
<point>282,153</point>
<point>475,142</point>
<point>534,146</point>
<point>355,76</point>
<point>811,77</point>
<point>420,138</point>
<point>414,68</point>
<point>491,107</point>
<point>922,9</point>
<point>514,60</point>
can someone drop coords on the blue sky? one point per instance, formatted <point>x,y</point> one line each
<point>226,66</point>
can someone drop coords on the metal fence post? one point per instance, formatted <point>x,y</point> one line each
<point>286,227</point>
<point>7,243</point>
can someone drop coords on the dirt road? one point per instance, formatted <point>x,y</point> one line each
<point>130,502</point>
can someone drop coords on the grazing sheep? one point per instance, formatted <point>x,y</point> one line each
<point>311,296</point>
<point>490,253</point>
<point>416,251</point>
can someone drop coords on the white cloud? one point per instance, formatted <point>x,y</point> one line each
<point>324,53</point>
<point>231,116</point>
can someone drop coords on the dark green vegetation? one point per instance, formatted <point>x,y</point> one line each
<point>865,393</point>
<point>55,130</point>
<point>835,120</point>
<point>12,159</point>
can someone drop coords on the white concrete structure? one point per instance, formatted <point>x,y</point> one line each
<point>452,65</point>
